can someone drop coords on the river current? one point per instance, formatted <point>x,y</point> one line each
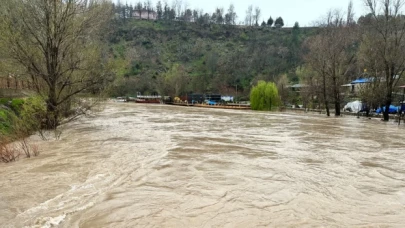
<point>134,165</point>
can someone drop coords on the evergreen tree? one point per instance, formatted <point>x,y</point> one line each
<point>166,12</point>
<point>195,15</point>
<point>130,11</point>
<point>188,15</point>
<point>270,22</point>
<point>124,12</point>
<point>279,22</point>
<point>159,10</point>
<point>172,14</point>
<point>231,15</point>
<point>263,24</point>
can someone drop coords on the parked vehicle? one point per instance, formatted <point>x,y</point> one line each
<point>120,99</point>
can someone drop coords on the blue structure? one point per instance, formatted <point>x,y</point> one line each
<point>393,109</point>
<point>362,80</point>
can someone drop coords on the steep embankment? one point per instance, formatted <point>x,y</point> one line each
<point>213,58</point>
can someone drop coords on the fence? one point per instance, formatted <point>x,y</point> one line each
<point>14,83</point>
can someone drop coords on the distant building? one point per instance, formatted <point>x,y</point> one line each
<point>144,14</point>
<point>355,87</point>
<point>227,98</point>
<point>297,87</point>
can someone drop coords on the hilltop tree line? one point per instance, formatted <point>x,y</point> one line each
<point>179,11</point>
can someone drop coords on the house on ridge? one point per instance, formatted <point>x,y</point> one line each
<point>144,14</point>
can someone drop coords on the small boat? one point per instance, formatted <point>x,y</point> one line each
<point>148,99</point>
<point>120,99</point>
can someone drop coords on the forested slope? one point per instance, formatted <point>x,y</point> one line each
<point>173,57</point>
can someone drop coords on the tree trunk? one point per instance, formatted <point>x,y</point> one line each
<point>51,111</point>
<point>337,96</point>
<point>51,116</point>
<point>388,102</point>
<point>337,108</point>
<point>325,97</point>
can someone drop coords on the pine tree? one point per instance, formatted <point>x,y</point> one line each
<point>159,10</point>
<point>270,22</point>
<point>279,22</point>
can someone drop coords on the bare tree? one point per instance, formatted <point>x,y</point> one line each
<point>232,15</point>
<point>283,90</point>
<point>350,14</point>
<point>383,45</point>
<point>186,11</point>
<point>56,42</point>
<point>249,16</point>
<point>257,16</point>
<point>177,6</point>
<point>149,7</point>
<point>332,56</point>
<point>316,59</point>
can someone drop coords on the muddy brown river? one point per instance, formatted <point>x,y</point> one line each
<point>135,165</point>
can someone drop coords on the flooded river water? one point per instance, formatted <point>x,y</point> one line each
<point>164,166</point>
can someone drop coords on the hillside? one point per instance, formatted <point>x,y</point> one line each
<point>173,58</point>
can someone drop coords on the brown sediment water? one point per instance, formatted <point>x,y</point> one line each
<point>135,165</point>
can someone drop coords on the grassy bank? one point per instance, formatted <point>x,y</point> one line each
<point>9,110</point>
<point>19,118</point>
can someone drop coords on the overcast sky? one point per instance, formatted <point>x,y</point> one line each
<point>303,11</point>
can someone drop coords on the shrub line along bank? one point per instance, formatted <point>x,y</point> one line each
<point>19,118</point>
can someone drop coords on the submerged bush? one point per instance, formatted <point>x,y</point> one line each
<point>8,153</point>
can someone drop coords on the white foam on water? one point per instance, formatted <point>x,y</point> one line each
<point>48,222</point>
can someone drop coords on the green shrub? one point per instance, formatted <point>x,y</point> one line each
<point>32,114</point>
<point>16,105</point>
<point>243,36</point>
<point>7,122</point>
<point>4,101</point>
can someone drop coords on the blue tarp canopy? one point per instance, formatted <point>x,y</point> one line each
<point>361,80</point>
<point>211,102</point>
<point>393,109</point>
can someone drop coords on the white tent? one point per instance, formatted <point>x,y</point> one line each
<point>355,106</point>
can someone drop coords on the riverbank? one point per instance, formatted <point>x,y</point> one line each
<point>362,114</point>
<point>237,106</point>
<point>19,118</point>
